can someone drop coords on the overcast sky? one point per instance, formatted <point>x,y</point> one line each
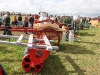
<point>59,7</point>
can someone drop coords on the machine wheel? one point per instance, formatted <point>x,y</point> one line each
<point>26,65</point>
<point>51,35</point>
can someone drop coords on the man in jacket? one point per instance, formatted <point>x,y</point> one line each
<point>31,21</point>
<point>19,20</point>
<point>7,25</point>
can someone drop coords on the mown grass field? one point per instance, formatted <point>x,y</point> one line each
<point>78,58</point>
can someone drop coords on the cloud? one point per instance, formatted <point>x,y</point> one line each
<point>61,7</point>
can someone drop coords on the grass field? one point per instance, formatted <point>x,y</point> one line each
<point>78,58</point>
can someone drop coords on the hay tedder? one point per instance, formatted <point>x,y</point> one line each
<point>40,43</point>
<point>37,49</point>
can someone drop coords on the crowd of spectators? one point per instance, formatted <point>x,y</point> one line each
<point>28,20</point>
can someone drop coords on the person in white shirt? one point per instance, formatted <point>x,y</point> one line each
<point>4,17</point>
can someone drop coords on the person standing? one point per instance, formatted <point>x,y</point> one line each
<point>15,20</point>
<point>4,17</point>
<point>26,23</point>
<point>56,20</point>
<point>19,20</point>
<point>0,19</point>
<point>31,21</point>
<point>7,25</point>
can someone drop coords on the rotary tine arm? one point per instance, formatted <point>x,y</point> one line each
<point>36,53</point>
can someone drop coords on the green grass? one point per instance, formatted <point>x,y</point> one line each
<point>78,58</point>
